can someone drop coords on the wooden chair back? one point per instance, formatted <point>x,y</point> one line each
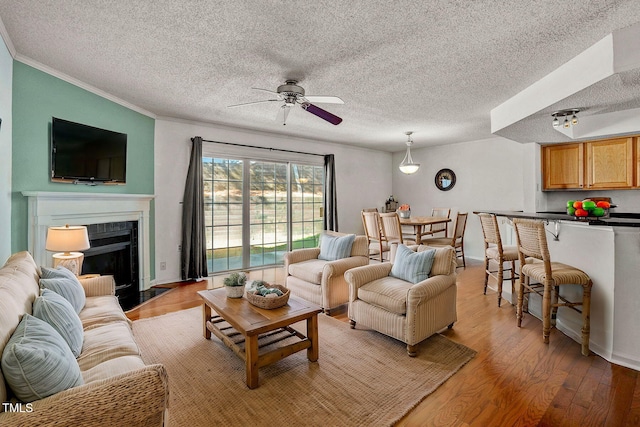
<point>531,239</point>
<point>490,230</point>
<point>461,223</point>
<point>371,224</point>
<point>391,227</point>
<point>443,213</point>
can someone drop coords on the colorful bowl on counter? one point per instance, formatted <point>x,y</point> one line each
<point>588,209</point>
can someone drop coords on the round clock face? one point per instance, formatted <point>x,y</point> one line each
<point>445,179</point>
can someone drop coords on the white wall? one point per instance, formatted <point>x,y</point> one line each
<point>362,179</point>
<point>6,83</point>
<point>489,175</point>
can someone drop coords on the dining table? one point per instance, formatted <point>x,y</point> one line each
<point>421,224</point>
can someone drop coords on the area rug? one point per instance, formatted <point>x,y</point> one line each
<point>362,378</point>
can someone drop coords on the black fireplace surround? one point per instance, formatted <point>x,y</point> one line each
<point>114,251</point>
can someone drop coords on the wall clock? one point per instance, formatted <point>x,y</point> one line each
<point>445,179</point>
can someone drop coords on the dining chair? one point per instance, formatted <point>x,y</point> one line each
<point>439,228</point>
<point>536,265</point>
<point>373,231</point>
<point>456,241</point>
<point>499,254</point>
<point>392,229</point>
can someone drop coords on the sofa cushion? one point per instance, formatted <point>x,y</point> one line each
<point>412,266</point>
<point>389,293</point>
<point>309,271</point>
<point>69,288</point>
<point>105,343</point>
<point>37,362</point>
<point>18,289</point>
<point>58,312</point>
<point>335,247</point>
<point>101,310</point>
<point>112,367</point>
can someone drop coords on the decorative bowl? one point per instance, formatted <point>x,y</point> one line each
<point>404,214</point>
<point>269,303</point>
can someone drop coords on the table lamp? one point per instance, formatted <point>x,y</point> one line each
<point>67,239</point>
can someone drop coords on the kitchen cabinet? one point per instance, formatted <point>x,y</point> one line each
<point>594,165</point>
<point>563,166</point>
<point>610,164</point>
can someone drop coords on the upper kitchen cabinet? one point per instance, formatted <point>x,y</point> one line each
<point>563,166</point>
<point>610,164</point>
<point>595,165</point>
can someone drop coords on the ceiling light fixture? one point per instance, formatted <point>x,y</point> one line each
<point>570,118</point>
<point>408,166</point>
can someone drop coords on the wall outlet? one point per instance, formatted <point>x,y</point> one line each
<point>179,248</point>
<point>163,265</point>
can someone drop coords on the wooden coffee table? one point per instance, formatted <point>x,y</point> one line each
<point>228,317</point>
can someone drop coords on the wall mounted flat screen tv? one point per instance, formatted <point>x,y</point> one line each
<point>85,154</point>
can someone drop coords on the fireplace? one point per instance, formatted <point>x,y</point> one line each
<point>114,251</point>
<point>98,209</point>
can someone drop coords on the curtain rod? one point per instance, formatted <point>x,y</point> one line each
<point>262,148</point>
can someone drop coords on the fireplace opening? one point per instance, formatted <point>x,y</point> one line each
<point>114,251</point>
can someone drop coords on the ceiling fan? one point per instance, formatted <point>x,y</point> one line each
<point>291,94</point>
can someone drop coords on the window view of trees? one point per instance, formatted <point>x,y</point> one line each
<point>257,210</point>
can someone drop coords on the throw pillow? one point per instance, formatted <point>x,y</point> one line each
<point>70,289</point>
<point>59,313</point>
<point>412,266</point>
<point>335,247</point>
<point>55,273</point>
<point>37,362</point>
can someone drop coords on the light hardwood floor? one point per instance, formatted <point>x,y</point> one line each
<point>515,379</point>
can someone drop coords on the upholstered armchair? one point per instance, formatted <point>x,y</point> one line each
<point>401,309</point>
<point>321,281</point>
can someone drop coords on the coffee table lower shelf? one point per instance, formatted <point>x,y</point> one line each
<point>238,343</point>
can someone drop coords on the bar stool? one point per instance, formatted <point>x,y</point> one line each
<point>532,246</point>
<point>494,251</point>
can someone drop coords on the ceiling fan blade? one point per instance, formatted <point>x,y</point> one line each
<point>251,103</point>
<point>324,99</point>
<point>266,90</point>
<point>323,114</point>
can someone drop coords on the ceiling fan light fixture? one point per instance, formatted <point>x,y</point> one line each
<point>408,166</point>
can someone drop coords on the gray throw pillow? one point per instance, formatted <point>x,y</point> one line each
<point>412,266</point>
<point>335,247</point>
<point>37,362</point>
<point>55,273</point>
<point>59,313</point>
<point>70,289</point>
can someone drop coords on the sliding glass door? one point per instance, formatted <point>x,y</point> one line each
<point>256,210</point>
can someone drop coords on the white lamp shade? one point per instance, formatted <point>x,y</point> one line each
<point>67,239</point>
<point>409,168</point>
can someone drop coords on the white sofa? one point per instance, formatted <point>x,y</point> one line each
<point>118,388</point>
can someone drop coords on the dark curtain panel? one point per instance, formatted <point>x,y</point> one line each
<point>330,220</point>
<point>194,244</point>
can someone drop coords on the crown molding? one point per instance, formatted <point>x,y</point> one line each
<point>7,40</point>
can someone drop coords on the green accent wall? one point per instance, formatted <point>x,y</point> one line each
<point>37,97</point>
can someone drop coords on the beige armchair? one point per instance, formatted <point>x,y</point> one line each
<point>402,310</point>
<point>322,282</point>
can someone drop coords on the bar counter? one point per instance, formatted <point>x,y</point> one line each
<point>615,219</point>
<point>608,250</point>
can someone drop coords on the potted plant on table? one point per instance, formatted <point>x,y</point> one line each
<point>404,211</point>
<point>235,285</point>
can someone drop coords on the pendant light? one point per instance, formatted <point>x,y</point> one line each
<point>408,166</point>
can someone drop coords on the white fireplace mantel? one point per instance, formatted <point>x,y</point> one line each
<point>48,209</point>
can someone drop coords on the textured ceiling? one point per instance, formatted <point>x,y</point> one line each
<point>434,67</point>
